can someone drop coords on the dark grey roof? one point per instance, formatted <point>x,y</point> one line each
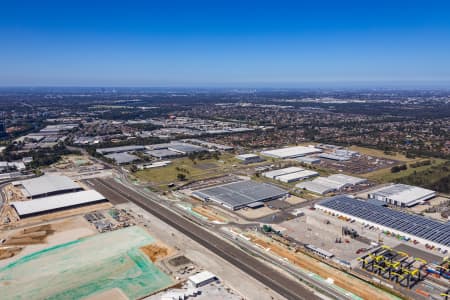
<point>122,158</point>
<point>185,148</point>
<point>241,193</point>
<point>120,149</point>
<point>415,225</point>
<point>162,153</point>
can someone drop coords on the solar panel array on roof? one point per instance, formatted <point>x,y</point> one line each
<point>414,225</point>
<point>239,194</point>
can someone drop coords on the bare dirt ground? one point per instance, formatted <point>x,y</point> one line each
<point>8,252</point>
<point>29,236</point>
<point>33,238</point>
<point>295,200</point>
<point>157,251</point>
<point>115,294</point>
<point>257,213</point>
<point>64,214</point>
<point>212,215</point>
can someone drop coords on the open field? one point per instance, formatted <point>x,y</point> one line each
<point>380,153</point>
<point>84,267</point>
<point>193,170</point>
<point>385,175</point>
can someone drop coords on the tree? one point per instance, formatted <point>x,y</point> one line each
<point>181,177</point>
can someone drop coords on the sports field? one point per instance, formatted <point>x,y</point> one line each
<point>85,267</point>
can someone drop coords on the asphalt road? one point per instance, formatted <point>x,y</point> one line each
<point>277,281</point>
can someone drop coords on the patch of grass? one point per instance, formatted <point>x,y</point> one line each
<point>385,175</point>
<point>381,154</point>
<point>193,170</point>
<point>436,177</point>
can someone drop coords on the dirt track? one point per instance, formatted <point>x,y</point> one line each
<point>341,279</point>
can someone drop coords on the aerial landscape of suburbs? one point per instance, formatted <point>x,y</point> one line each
<point>237,150</point>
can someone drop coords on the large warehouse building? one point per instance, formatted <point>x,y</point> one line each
<point>291,152</point>
<point>332,183</point>
<point>56,203</point>
<point>415,227</point>
<point>275,173</point>
<point>240,194</point>
<point>290,174</point>
<point>402,195</point>
<point>46,185</point>
<point>120,149</point>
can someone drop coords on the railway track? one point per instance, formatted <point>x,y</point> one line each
<point>275,280</point>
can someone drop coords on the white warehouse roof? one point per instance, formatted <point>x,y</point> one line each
<point>324,185</point>
<point>202,277</point>
<point>246,156</point>
<point>315,187</point>
<point>296,176</point>
<point>402,194</point>
<point>347,179</point>
<point>42,205</point>
<point>330,183</point>
<point>47,184</point>
<point>275,173</point>
<point>291,152</point>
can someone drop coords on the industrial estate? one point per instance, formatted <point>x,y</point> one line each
<point>100,202</point>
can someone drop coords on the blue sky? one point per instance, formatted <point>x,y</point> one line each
<point>235,43</point>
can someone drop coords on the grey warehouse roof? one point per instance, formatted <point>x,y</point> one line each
<point>122,158</point>
<point>185,148</point>
<point>238,194</point>
<point>47,184</point>
<point>162,153</point>
<point>119,149</point>
<point>414,225</point>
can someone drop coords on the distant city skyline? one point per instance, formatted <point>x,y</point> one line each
<point>225,43</point>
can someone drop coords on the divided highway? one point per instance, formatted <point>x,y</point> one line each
<point>277,281</point>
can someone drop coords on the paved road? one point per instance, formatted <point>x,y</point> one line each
<point>277,281</point>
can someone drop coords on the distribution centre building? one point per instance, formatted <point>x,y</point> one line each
<point>291,152</point>
<point>249,158</point>
<point>122,157</point>
<point>402,195</point>
<point>275,173</point>
<point>240,194</point>
<point>415,227</point>
<point>46,185</point>
<point>292,177</point>
<point>332,183</point>
<point>30,208</point>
